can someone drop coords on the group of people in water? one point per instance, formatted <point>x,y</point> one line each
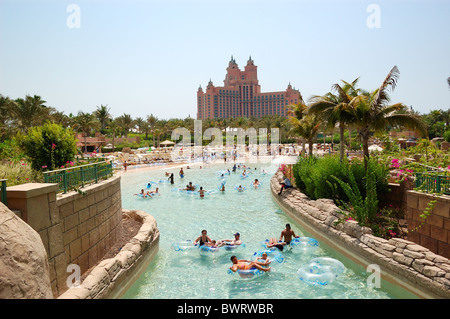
<point>192,188</point>
<point>262,262</point>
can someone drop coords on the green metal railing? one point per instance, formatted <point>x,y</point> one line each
<point>69,178</point>
<point>3,191</point>
<point>433,183</point>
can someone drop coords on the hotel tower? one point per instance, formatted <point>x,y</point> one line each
<point>241,96</point>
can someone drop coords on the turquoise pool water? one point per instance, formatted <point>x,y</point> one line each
<point>252,213</point>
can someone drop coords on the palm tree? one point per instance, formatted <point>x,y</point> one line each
<point>28,111</point>
<point>85,123</point>
<point>139,121</point>
<point>448,82</point>
<point>126,123</point>
<point>152,121</point>
<point>371,113</point>
<point>6,119</point>
<point>335,109</point>
<point>295,113</point>
<point>103,116</point>
<point>306,127</point>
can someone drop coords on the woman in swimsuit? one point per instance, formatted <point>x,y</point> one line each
<point>202,239</point>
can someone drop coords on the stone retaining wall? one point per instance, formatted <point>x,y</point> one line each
<point>74,228</point>
<point>112,277</point>
<point>433,232</point>
<point>403,262</point>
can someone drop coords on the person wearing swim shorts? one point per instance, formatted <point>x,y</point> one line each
<point>263,259</point>
<point>287,234</point>
<point>235,241</point>
<point>273,242</point>
<point>243,264</point>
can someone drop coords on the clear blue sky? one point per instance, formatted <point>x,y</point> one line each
<point>131,55</point>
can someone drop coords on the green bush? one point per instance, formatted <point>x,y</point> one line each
<point>49,146</point>
<point>447,136</point>
<point>313,176</point>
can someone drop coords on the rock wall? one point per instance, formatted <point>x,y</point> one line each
<point>24,269</point>
<point>413,266</point>
<point>112,277</point>
<point>75,228</point>
<point>434,231</point>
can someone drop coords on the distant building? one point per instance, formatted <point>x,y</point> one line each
<point>241,96</point>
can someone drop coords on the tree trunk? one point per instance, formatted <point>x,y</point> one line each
<point>365,141</point>
<point>310,148</point>
<point>341,133</point>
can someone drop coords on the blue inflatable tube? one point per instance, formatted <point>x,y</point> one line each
<point>248,273</point>
<point>183,246</point>
<point>320,271</point>
<point>240,190</point>
<point>149,184</point>
<point>148,196</point>
<point>304,243</point>
<point>272,255</point>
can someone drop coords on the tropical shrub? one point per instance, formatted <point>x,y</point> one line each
<point>49,146</point>
<point>313,176</point>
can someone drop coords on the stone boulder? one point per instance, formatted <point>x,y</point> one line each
<point>24,269</point>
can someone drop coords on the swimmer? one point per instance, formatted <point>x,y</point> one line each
<point>240,188</point>
<point>190,187</point>
<point>212,244</point>
<point>263,259</point>
<point>203,239</point>
<point>256,183</point>
<point>235,241</point>
<point>242,264</point>
<point>181,173</point>
<point>141,193</point>
<point>273,242</point>
<point>156,191</point>
<point>202,192</point>
<point>287,234</point>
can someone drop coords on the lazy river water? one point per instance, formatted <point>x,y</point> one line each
<point>252,213</point>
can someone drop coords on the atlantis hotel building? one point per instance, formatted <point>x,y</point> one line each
<point>241,96</point>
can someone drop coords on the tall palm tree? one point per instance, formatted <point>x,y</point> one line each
<point>126,123</point>
<point>103,116</point>
<point>6,116</point>
<point>295,113</point>
<point>371,112</point>
<point>152,122</point>
<point>28,111</point>
<point>85,123</point>
<point>307,127</point>
<point>139,123</point>
<point>335,108</point>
